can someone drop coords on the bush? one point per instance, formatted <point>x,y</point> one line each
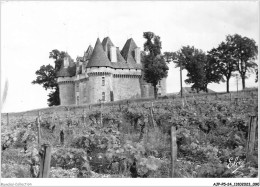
<point>62,173</point>
<point>68,158</point>
<point>13,170</point>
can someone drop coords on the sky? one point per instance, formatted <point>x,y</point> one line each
<point>30,30</point>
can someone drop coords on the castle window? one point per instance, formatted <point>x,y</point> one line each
<point>159,83</point>
<point>77,100</point>
<point>103,81</point>
<point>103,96</point>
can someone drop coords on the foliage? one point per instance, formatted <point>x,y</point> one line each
<point>154,65</point>
<point>201,68</point>
<point>256,78</point>
<point>210,131</point>
<point>222,55</point>
<point>14,170</point>
<point>68,158</point>
<point>46,76</point>
<point>58,172</point>
<point>244,51</point>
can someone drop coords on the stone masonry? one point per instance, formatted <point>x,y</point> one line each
<point>105,74</point>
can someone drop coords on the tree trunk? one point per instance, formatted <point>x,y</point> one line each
<point>243,82</point>
<point>206,89</point>
<point>228,85</point>
<point>155,92</point>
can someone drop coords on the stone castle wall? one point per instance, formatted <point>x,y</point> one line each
<point>163,86</point>
<point>126,87</point>
<point>67,92</point>
<point>95,87</point>
<point>122,84</point>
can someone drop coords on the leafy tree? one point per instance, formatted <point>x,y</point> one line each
<point>46,76</point>
<point>244,52</point>
<point>212,72</point>
<point>196,73</point>
<point>168,56</point>
<point>155,67</point>
<point>222,57</point>
<point>189,58</point>
<point>201,68</point>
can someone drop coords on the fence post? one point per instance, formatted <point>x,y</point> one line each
<point>7,119</point>
<point>101,107</point>
<point>151,115</point>
<point>45,153</point>
<point>83,116</point>
<point>236,100</point>
<point>39,130</point>
<point>62,137</point>
<point>173,151</point>
<point>251,136</point>
<point>252,95</point>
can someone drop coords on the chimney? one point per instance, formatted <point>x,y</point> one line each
<point>66,62</point>
<point>137,55</point>
<point>113,56</point>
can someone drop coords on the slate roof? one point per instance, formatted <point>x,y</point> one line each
<point>121,63</point>
<point>88,53</point>
<point>99,57</point>
<point>106,43</point>
<point>128,51</point>
<point>79,59</point>
<point>70,71</point>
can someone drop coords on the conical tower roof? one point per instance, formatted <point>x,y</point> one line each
<point>128,51</point>
<point>106,43</point>
<point>98,57</point>
<point>88,53</point>
<point>69,71</point>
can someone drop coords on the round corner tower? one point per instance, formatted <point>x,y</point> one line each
<point>67,91</point>
<point>66,82</point>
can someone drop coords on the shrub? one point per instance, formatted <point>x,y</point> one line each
<point>68,158</point>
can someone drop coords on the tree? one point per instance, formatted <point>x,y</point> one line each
<point>201,68</point>
<point>46,76</point>
<point>154,65</point>
<point>222,57</point>
<point>244,52</point>
<point>196,73</point>
<point>212,72</point>
<point>192,60</point>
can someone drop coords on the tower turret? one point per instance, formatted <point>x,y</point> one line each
<point>66,81</point>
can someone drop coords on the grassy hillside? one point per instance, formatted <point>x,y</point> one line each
<point>132,138</point>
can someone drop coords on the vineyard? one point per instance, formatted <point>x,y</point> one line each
<point>134,139</point>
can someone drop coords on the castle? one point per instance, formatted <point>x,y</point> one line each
<point>105,74</point>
